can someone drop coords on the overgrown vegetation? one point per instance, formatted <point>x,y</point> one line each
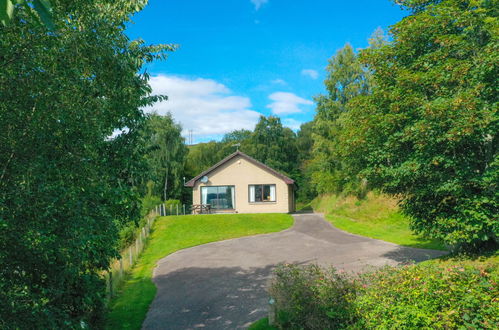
<point>66,184</point>
<point>376,216</point>
<point>173,233</point>
<point>427,132</point>
<point>446,294</point>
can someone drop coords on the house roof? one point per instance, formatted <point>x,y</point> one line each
<point>287,180</point>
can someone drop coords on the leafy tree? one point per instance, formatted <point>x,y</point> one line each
<point>347,78</point>
<point>201,157</point>
<point>204,155</point>
<point>166,155</point>
<point>274,145</point>
<point>41,10</point>
<point>66,186</point>
<point>236,136</point>
<point>428,133</point>
<point>304,144</point>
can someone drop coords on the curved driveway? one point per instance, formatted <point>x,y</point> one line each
<point>221,285</point>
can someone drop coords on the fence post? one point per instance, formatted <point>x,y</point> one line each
<point>131,256</point>
<point>177,209</point>
<point>171,206</point>
<point>183,205</point>
<point>272,311</point>
<point>121,266</point>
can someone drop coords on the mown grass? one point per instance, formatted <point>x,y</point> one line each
<point>377,216</point>
<point>171,234</point>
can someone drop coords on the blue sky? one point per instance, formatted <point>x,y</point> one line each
<point>238,59</point>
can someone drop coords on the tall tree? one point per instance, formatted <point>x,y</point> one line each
<point>166,156</point>
<point>428,133</point>
<point>65,184</point>
<point>304,144</point>
<point>274,145</point>
<point>347,78</point>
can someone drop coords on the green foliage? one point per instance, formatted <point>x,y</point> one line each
<point>204,155</point>
<point>428,132</point>
<point>171,234</point>
<point>304,143</point>
<point>39,9</point>
<point>312,298</point>
<point>262,324</point>
<point>438,294</point>
<point>448,296</point>
<point>65,184</point>
<point>166,155</point>
<point>274,145</point>
<point>347,79</point>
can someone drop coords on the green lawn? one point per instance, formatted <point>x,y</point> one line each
<point>174,233</point>
<point>376,216</point>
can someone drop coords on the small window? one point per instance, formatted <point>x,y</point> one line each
<point>261,193</point>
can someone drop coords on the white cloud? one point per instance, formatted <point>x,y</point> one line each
<point>279,82</point>
<point>203,105</point>
<point>286,103</point>
<point>292,123</point>
<point>310,73</point>
<point>259,3</point>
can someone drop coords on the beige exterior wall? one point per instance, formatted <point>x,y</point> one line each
<point>240,173</point>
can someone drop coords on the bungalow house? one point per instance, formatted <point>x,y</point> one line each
<point>242,184</point>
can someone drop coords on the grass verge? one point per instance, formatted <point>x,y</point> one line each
<point>262,324</point>
<point>377,216</point>
<point>174,233</point>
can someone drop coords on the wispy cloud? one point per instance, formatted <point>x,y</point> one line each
<point>205,106</point>
<point>279,82</point>
<point>286,103</point>
<point>310,73</point>
<point>259,3</point>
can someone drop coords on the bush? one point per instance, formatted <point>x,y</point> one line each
<point>149,202</point>
<point>447,295</point>
<point>312,298</point>
<point>436,296</point>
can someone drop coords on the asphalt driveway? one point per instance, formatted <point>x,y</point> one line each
<point>221,285</point>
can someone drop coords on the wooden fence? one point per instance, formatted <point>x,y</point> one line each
<point>115,276</point>
<point>119,267</point>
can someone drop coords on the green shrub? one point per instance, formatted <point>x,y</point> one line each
<point>312,298</point>
<point>149,202</point>
<point>437,296</point>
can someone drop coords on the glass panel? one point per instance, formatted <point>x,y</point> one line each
<point>266,193</point>
<point>258,193</point>
<point>224,198</point>
<point>211,196</point>
<point>218,197</point>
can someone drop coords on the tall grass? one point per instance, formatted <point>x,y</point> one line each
<point>376,216</point>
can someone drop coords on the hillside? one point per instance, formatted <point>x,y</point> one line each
<point>376,216</point>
